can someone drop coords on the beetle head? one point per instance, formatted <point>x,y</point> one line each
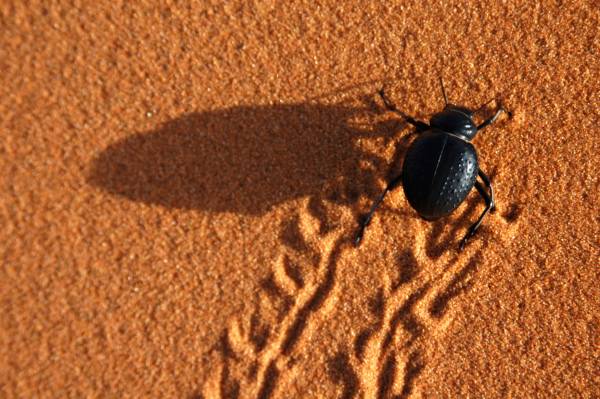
<point>456,120</point>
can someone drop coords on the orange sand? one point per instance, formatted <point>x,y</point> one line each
<point>180,185</point>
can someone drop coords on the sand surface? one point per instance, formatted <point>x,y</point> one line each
<point>181,184</point>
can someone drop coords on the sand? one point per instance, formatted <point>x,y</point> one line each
<point>181,185</point>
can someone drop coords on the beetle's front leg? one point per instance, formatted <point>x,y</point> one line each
<point>491,120</point>
<point>420,126</point>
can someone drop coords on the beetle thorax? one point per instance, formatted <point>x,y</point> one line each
<point>455,120</point>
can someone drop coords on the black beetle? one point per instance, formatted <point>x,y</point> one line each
<point>440,167</point>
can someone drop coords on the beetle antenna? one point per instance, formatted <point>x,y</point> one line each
<point>443,90</point>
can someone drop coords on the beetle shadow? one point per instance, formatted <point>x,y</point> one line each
<point>247,159</point>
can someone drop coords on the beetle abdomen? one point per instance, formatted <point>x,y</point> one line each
<point>439,171</point>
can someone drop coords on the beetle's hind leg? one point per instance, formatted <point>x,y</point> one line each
<point>488,184</point>
<point>489,204</point>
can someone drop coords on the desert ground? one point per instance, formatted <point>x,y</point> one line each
<point>182,183</point>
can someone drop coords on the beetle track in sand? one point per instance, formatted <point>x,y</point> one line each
<point>387,356</point>
<point>295,294</point>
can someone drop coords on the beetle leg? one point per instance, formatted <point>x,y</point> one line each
<point>488,205</point>
<point>488,184</point>
<point>491,120</point>
<point>421,126</point>
<point>361,229</point>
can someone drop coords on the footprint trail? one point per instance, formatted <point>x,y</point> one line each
<point>257,349</point>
